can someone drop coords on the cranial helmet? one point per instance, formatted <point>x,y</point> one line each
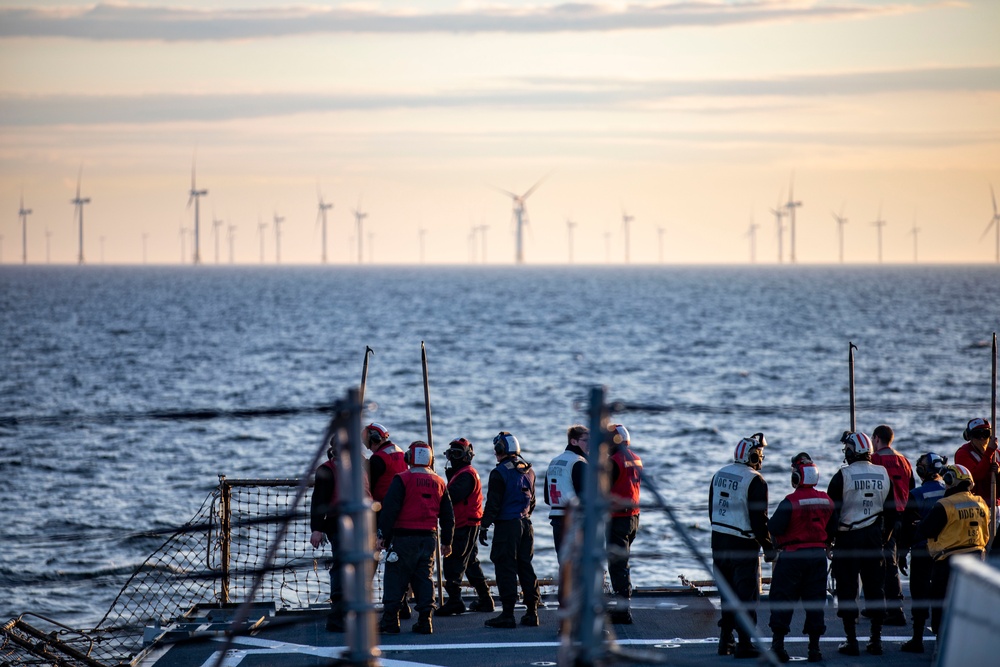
<point>505,444</point>
<point>619,434</point>
<point>856,446</point>
<point>804,471</point>
<point>930,464</point>
<point>375,434</point>
<point>460,450</point>
<point>976,428</point>
<point>749,451</point>
<point>957,474</point>
<point>419,454</point>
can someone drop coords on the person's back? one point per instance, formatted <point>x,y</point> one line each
<point>623,525</point>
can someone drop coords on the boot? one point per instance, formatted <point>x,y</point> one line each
<point>485,601</point>
<point>875,641</point>
<point>621,616</point>
<point>727,645</point>
<point>815,655</point>
<point>915,645</point>
<point>404,610</point>
<point>850,647</point>
<point>506,617</point>
<point>423,626</point>
<point>530,618</point>
<point>453,607</point>
<point>745,648</point>
<point>389,623</point>
<point>778,647</point>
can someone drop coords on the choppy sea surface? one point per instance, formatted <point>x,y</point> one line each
<point>95,360</point>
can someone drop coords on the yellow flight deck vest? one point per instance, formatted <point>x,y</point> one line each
<point>967,528</point>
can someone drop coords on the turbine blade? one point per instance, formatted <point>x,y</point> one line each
<point>988,228</point>
<point>535,186</point>
<point>994,197</point>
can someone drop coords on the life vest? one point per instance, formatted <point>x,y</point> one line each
<point>730,510</point>
<point>811,511</point>
<point>866,486</point>
<point>625,490</point>
<point>421,499</point>
<point>900,472</point>
<point>967,529</point>
<point>519,484</point>
<point>392,456</point>
<point>968,456</point>
<point>924,497</point>
<point>469,511</point>
<point>559,478</point>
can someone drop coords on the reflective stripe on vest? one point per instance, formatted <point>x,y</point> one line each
<point>392,456</point>
<point>730,513</point>
<point>967,529</point>
<point>811,511</point>
<point>469,511</point>
<point>421,500</point>
<point>626,488</point>
<point>559,478</point>
<point>899,471</point>
<point>866,486</point>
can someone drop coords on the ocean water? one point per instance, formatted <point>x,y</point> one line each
<point>95,360</point>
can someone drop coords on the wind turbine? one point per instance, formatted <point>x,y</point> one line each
<point>321,217</point>
<point>879,224</point>
<point>791,205</point>
<point>359,219</point>
<point>216,223</point>
<point>231,236</point>
<point>659,233</point>
<point>48,246</point>
<point>145,237</point>
<point>79,202</point>
<point>914,231</point>
<point>626,220</point>
<point>995,220</point>
<point>23,213</point>
<point>569,230</point>
<point>841,221</point>
<point>470,242</point>
<point>102,248</point>
<point>752,235</point>
<point>779,213</point>
<point>195,196</point>
<point>520,215</point>
<point>277,237</point>
<point>261,228</point>
<point>482,230</point>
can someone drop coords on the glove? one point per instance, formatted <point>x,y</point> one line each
<point>770,555</point>
<point>484,536</point>
<point>902,563</point>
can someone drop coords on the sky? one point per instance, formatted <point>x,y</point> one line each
<point>694,118</point>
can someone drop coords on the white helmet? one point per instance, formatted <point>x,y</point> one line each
<point>750,451</point>
<point>856,445</point>
<point>619,434</point>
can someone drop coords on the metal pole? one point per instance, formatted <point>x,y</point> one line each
<point>364,377</point>
<point>356,539</point>
<point>430,442</point>
<point>226,497</point>
<point>850,363</point>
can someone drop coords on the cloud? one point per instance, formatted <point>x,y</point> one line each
<point>537,93</point>
<point>142,23</point>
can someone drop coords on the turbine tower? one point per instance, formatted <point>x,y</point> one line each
<point>231,237</point>
<point>216,224</point>
<point>879,224</point>
<point>277,237</point>
<point>914,231</point>
<point>261,228</point>
<point>48,246</point>
<point>321,218</point>
<point>359,219</point>
<point>752,235</point>
<point>569,230</point>
<point>791,205</point>
<point>23,213</point>
<point>79,202</point>
<point>520,216</point>
<point>779,214</point>
<point>626,220</point>
<point>194,196</point>
<point>659,233</point>
<point>145,238</point>
<point>841,221</point>
<point>995,220</point>
<point>482,230</point>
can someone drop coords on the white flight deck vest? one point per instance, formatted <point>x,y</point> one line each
<point>866,486</point>
<point>730,513</point>
<point>559,478</point>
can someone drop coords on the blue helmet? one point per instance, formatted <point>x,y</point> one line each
<point>505,444</point>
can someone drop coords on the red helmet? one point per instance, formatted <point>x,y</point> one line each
<point>374,434</point>
<point>977,428</point>
<point>619,434</point>
<point>804,473</point>
<point>460,450</point>
<point>419,454</point>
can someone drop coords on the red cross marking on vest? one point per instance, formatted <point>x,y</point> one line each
<point>554,494</point>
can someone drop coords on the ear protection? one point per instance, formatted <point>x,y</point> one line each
<point>977,424</point>
<point>419,454</point>
<point>805,474</point>
<point>505,444</point>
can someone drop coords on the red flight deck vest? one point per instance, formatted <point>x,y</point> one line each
<point>421,500</point>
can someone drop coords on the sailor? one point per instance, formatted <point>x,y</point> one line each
<point>417,500</point>
<point>324,513</point>
<point>922,499</point>
<point>901,474</point>
<point>979,455</point>
<point>466,491</point>
<point>510,500</point>
<point>737,508</point>
<point>626,478</point>
<point>564,483</point>
<point>957,524</point>
<point>800,526</point>
<point>864,516</point>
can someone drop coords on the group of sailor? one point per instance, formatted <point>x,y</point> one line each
<point>871,517</point>
<point>416,510</point>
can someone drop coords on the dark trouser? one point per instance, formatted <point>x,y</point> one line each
<point>336,578</point>
<point>558,532</point>
<point>893,591</point>
<point>799,575</point>
<point>621,534</point>
<point>921,566</point>
<point>940,574</point>
<point>415,558</point>
<point>462,562</point>
<point>736,561</point>
<point>858,553</point>
<point>511,554</point>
